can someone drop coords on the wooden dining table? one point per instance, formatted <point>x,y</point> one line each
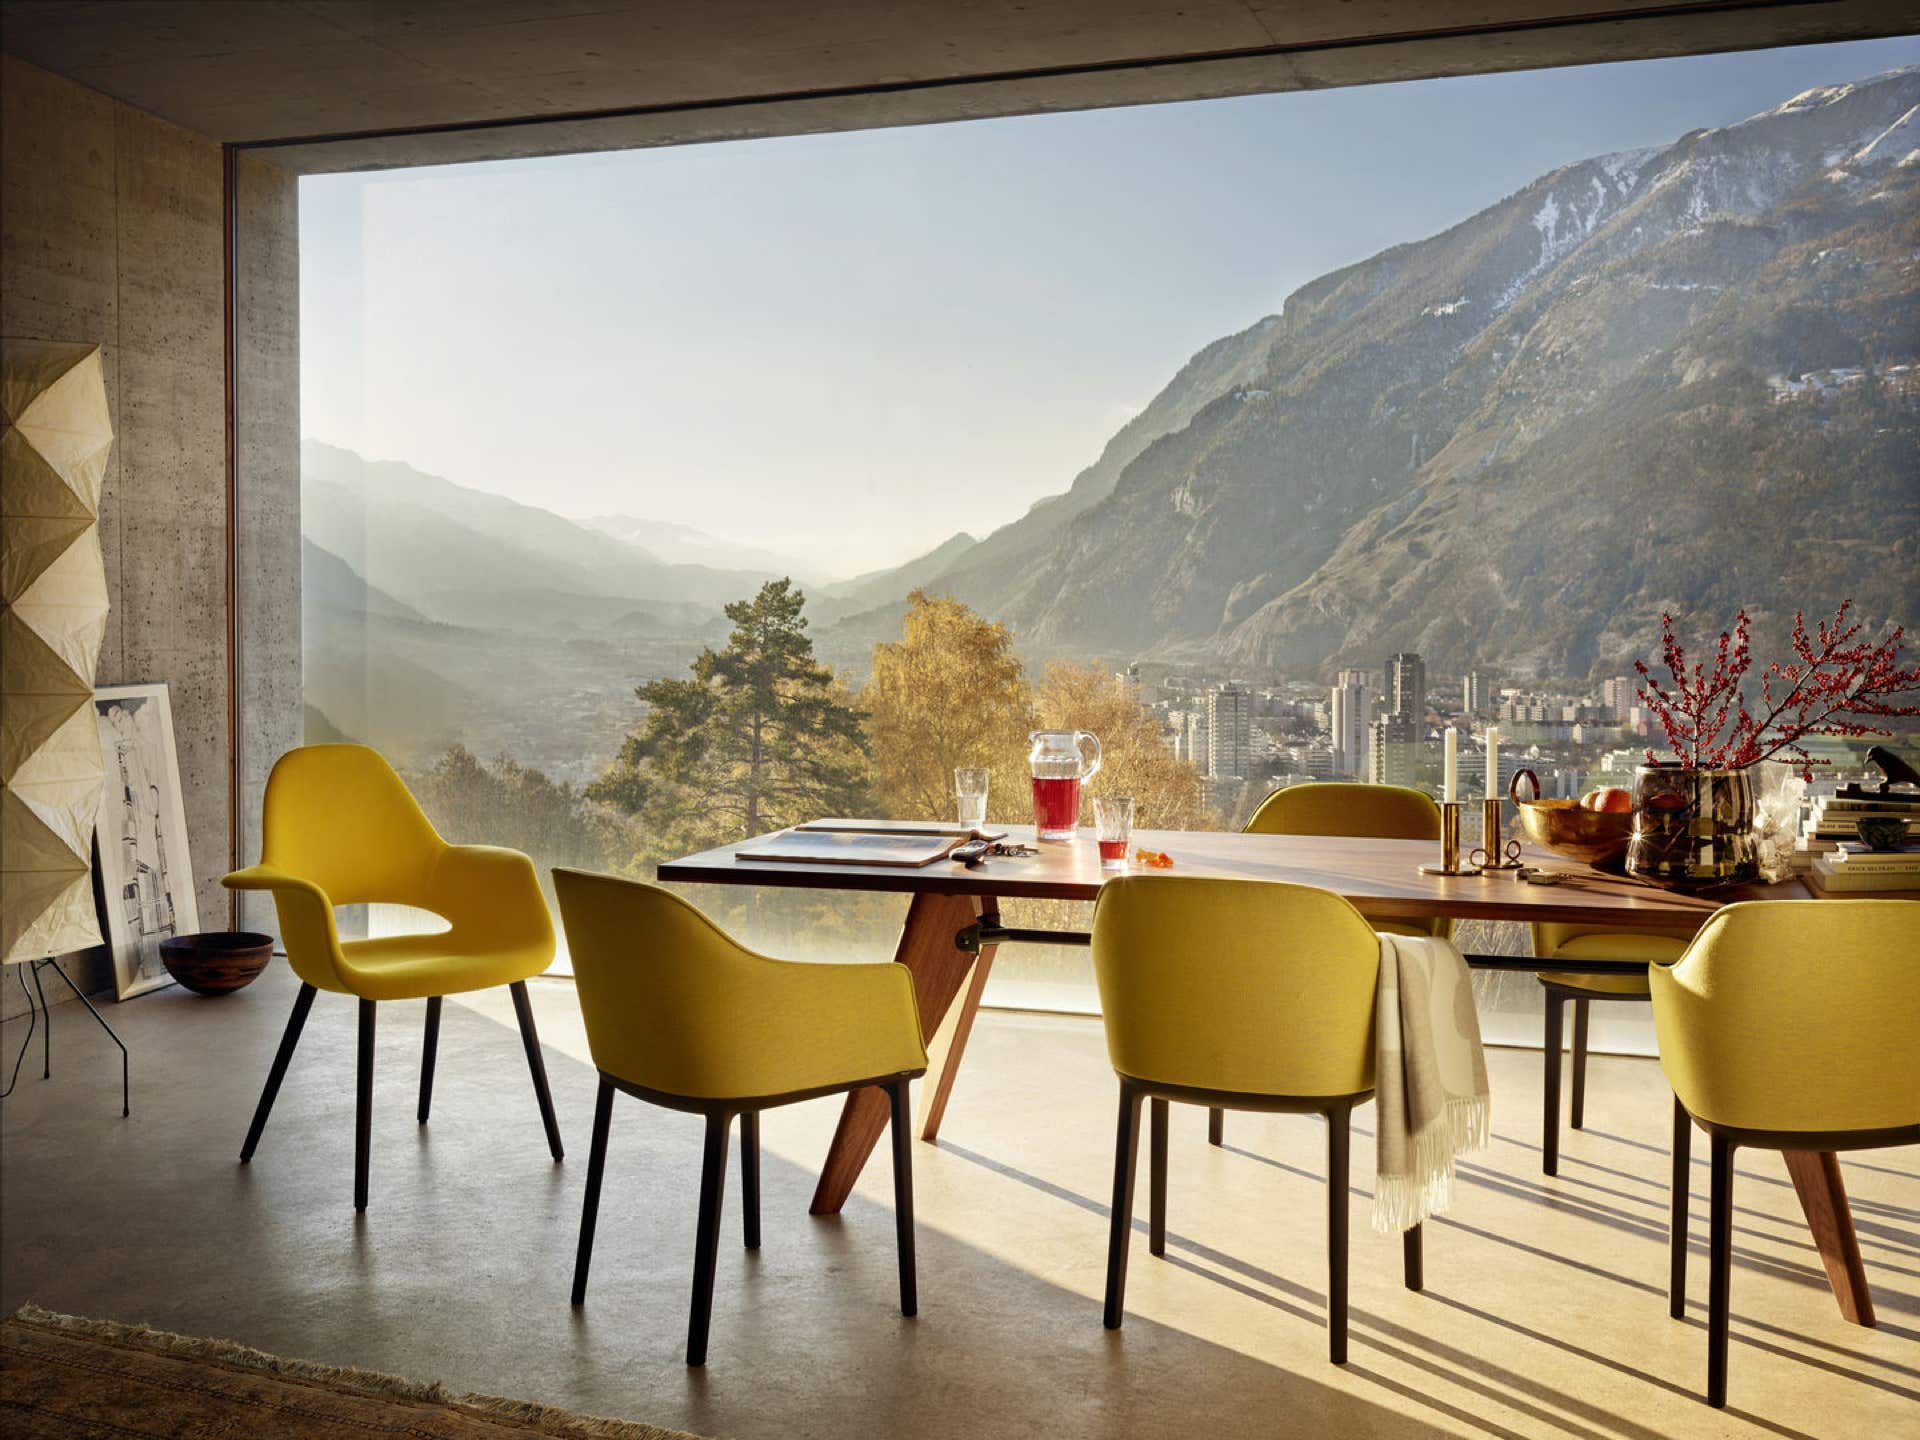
<point>953,929</point>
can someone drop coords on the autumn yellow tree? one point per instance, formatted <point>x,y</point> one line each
<point>949,692</point>
<point>1137,761</point>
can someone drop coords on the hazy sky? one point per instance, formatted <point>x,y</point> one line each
<point>850,346</point>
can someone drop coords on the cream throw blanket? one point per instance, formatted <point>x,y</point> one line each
<point>1430,1078</point>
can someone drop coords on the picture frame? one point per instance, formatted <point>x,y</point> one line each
<point>140,838</point>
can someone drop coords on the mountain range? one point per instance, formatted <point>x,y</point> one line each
<point>1683,378</point>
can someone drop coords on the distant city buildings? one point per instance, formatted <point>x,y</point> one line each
<point>1229,722</point>
<point>1352,709</point>
<point>1394,753</point>
<point>1407,686</point>
<point>1476,692</point>
<point>1618,695</point>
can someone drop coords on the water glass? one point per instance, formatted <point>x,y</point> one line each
<point>970,792</point>
<point>1113,829</point>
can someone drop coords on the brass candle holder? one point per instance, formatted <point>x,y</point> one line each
<point>1490,854</point>
<point>1450,844</point>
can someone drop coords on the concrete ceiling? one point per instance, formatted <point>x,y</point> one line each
<point>284,71</point>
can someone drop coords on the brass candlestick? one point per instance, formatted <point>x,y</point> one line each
<point>1491,854</point>
<point>1450,844</point>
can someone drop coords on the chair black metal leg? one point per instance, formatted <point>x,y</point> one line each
<point>429,1048</point>
<point>1413,1259</point>
<point>1677,1203</point>
<point>903,1197</point>
<point>1338,1136</point>
<point>1125,1152</point>
<point>523,1011</point>
<point>1157,1178</point>
<point>1216,1125</point>
<point>302,1003</point>
<point>596,1167</point>
<point>706,1245</point>
<point>126,1091</point>
<point>1578,1104</point>
<point>1550,1101</point>
<point>363,1107</point>
<point>1719,1270</point>
<point>33,1019</point>
<point>750,1178</point>
<point>46,1035</point>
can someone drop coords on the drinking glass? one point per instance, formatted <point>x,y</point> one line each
<point>1113,829</point>
<point>970,791</point>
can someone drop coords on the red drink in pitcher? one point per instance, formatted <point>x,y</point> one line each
<point>1060,761</point>
<point>1056,804</point>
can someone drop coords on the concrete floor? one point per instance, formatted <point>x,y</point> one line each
<point>1545,1312</point>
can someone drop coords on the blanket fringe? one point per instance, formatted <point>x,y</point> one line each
<point>1401,1202</point>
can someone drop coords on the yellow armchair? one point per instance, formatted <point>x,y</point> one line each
<point>1786,1025</point>
<point>681,1015</point>
<point>1241,994</point>
<point>339,827</point>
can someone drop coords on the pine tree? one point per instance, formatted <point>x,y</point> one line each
<point>760,736</point>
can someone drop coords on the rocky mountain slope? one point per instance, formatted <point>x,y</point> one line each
<point>1517,441</point>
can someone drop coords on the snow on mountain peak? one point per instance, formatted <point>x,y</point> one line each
<point>1813,99</point>
<point>1888,144</point>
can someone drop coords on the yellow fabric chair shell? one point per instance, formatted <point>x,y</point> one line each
<point>675,1005</point>
<point>1389,812</point>
<point>1236,985</point>
<point>1796,1015</point>
<point>340,828</point>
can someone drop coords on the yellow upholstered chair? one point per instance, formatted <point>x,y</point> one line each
<point>679,1014</point>
<point>1786,1025</point>
<point>1243,994</point>
<point>1389,812</point>
<point>1586,942</point>
<point>340,828</point>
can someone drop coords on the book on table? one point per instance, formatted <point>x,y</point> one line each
<point>1836,879</point>
<point>904,844</point>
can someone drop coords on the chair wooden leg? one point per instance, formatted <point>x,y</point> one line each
<point>1120,1231</point>
<point>596,1168</point>
<point>1677,1206</point>
<point>529,1037</point>
<point>903,1196</point>
<point>750,1178</point>
<point>1216,1125</point>
<point>706,1247</point>
<point>1550,1101</point>
<point>1578,1103</point>
<point>1338,1136</point>
<point>1413,1259</point>
<point>1157,1178</point>
<point>1719,1271</point>
<point>302,1003</point>
<point>429,1049</point>
<point>363,1107</point>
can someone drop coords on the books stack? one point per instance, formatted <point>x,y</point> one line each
<point>1829,823</point>
<point>1852,867</point>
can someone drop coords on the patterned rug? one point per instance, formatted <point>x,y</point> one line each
<point>63,1376</point>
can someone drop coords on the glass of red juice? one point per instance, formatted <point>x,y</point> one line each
<point>1113,829</point>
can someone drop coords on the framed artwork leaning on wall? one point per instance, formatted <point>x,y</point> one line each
<point>146,877</point>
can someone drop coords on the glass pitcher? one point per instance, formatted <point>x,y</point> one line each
<point>1060,760</point>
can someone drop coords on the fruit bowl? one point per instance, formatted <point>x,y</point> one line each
<point>1593,837</point>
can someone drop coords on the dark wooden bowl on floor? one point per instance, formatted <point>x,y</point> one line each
<point>218,962</point>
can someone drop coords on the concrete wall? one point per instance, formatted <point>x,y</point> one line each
<point>111,230</point>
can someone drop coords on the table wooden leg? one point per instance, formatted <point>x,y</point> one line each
<point>945,1060</point>
<point>1823,1196</point>
<point>938,968</point>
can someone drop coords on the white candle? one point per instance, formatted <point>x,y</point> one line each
<point>1493,762</point>
<point>1450,780</point>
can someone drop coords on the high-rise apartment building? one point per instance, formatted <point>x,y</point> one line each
<point>1229,732</point>
<point>1407,686</point>
<point>1394,749</point>
<point>1476,691</point>
<point>1199,744</point>
<point>1352,706</point>
<point>1618,695</point>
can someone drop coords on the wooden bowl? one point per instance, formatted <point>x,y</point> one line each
<point>1593,837</point>
<point>217,962</point>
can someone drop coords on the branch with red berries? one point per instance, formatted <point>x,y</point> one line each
<point>1838,683</point>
